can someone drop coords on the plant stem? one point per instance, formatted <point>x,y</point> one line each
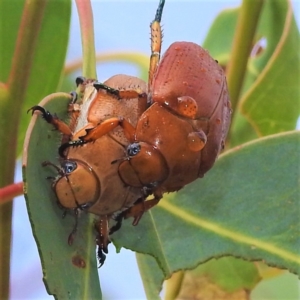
<point>242,45</point>
<point>85,14</point>
<point>11,191</point>
<point>10,105</point>
<point>173,285</point>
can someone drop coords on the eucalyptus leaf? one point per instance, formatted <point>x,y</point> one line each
<point>247,206</point>
<point>70,272</point>
<point>228,273</point>
<point>270,100</point>
<point>151,274</point>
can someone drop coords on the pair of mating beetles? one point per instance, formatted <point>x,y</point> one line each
<point>127,140</point>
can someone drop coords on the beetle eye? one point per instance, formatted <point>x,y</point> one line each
<point>86,205</point>
<point>69,166</point>
<point>133,149</point>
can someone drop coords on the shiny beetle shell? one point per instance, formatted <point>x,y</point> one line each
<point>199,76</point>
<point>179,137</point>
<point>90,180</point>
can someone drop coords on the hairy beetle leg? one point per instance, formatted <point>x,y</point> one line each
<point>139,208</point>
<point>102,238</point>
<point>118,225</point>
<point>101,257</point>
<point>65,146</point>
<point>52,119</point>
<point>131,94</point>
<point>120,94</point>
<point>136,211</point>
<point>92,134</point>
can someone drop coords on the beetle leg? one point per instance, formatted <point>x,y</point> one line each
<point>74,96</point>
<point>107,126</point>
<point>52,119</point>
<point>121,94</point>
<point>102,86</point>
<point>139,208</point>
<point>80,80</point>
<point>118,224</point>
<point>131,94</point>
<point>102,238</point>
<point>92,134</point>
<point>156,39</point>
<point>66,145</point>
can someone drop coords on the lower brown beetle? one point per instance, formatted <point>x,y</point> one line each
<point>86,179</point>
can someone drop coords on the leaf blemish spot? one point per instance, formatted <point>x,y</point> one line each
<point>78,261</point>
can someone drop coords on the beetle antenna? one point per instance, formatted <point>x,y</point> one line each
<point>72,234</point>
<point>120,159</point>
<point>156,38</point>
<point>58,169</point>
<point>159,11</point>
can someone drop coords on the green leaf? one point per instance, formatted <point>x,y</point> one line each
<point>10,17</point>
<point>229,273</point>
<point>49,58</point>
<point>220,36</point>
<point>270,98</point>
<point>247,206</point>
<point>285,286</point>
<point>272,102</point>
<point>151,274</point>
<point>70,272</point>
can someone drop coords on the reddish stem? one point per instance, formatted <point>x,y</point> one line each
<point>8,192</point>
<point>85,14</point>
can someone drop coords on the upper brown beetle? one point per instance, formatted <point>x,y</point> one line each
<point>178,138</point>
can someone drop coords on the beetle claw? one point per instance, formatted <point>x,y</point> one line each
<point>52,119</point>
<point>101,257</point>
<point>74,97</point>
<point>65,146</point>
<point>80,80</point>
<point>45,114</point>
<point>118,224</point>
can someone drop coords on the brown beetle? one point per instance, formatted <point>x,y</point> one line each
<point>86,178</point>
<point>178,138</point>
<point>168,145</point>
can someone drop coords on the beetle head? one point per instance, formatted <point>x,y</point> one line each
<point>77,185</point>
<point>144,166</point>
